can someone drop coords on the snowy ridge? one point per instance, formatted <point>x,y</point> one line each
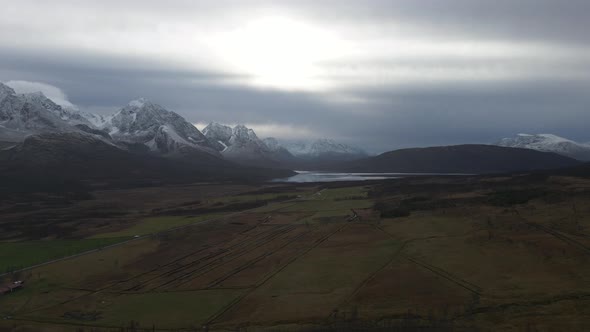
<point>218,135</point>
<point>141,122</point>
<point>548,143</point>
<point>161,130</point>
<point>22,115</point>
<point>241,144</point>
<point>323,148</point>
<point>144,126</point>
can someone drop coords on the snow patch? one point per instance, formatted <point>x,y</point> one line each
<point>138,102</point>
<point>224,145</point>
<point>548,143</point>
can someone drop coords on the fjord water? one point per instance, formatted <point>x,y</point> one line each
<point>313,176</point>
<point>306,176</point>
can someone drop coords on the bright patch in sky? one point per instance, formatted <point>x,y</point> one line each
<point>279,52</point>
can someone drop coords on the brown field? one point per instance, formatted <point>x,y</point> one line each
<point>468,253</point>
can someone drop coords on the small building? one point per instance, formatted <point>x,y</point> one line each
<point>362,215</point>
<point>11,287</point>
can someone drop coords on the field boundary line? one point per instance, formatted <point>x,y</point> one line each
<point>242,296</point>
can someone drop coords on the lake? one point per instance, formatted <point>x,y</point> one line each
<point>309,176</point>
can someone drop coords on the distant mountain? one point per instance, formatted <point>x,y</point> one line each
<point>472,159</point>
<point>549,143</point>
<point>160,130</point>
<point>26,114</point>
<point>146,127</point>
<point>242,145</point>
<point>278,151</point>
<point>141,125</point>
<point>325,150</point>
<point>218,135</point>
<point>70,116</point>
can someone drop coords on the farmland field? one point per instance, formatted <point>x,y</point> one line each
<point>468,253</point>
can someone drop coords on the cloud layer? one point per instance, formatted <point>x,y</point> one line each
<point>382,74</point>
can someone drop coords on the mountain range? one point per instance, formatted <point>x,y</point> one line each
<point>143,126</point>
<point>140,143</point>
<point>143,142</point>
<point>242,145</point>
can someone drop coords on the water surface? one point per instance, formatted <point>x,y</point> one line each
<point>310,176</point>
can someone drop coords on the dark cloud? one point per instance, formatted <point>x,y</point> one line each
<point>538,20</point>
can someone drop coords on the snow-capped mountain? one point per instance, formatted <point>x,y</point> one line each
<point>71,116</point>
<point>22,115</point>
<point>548,143</point>
<point>146,127</point>
<point>149,124</point>
<point>243,141</point>
<point>324,149</point>
<point>278,151</point>
<point>218,135</point>
<point>241,144</point>
<point>141,125</point>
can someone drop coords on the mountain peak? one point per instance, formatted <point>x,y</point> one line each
<point>39,97</point>
<point>5,91</point>
<point>272,143</point>
<point>139,103</point>
<point>160,130</point>
<point>242,132</point>
<point>218,135</point>
<point>215,127</point>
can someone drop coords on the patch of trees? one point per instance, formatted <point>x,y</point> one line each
<point>404,207</point>
<point>223,207</point>
<point>514,197</point>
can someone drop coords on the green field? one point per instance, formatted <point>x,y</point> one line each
<point>157,224</point>
<point>18,255</point>
<point>455,260</point>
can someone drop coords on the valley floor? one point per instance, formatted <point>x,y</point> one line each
<point>441,253</point>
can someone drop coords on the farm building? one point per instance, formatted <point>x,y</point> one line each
<point>361,215</point>
<point>11,287</point>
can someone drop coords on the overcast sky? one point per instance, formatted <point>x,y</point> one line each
<point>381,74</point>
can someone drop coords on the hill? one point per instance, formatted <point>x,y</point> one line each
<point>471,158</point>
<point>52,161</point>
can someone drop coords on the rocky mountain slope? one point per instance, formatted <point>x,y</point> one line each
<point>324,149</point>
<point>160,130</point>
<point>242,145</point>
<point>141,125</point>
<point>26,114</point>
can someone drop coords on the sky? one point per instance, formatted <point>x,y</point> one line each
<point>379,74</point>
